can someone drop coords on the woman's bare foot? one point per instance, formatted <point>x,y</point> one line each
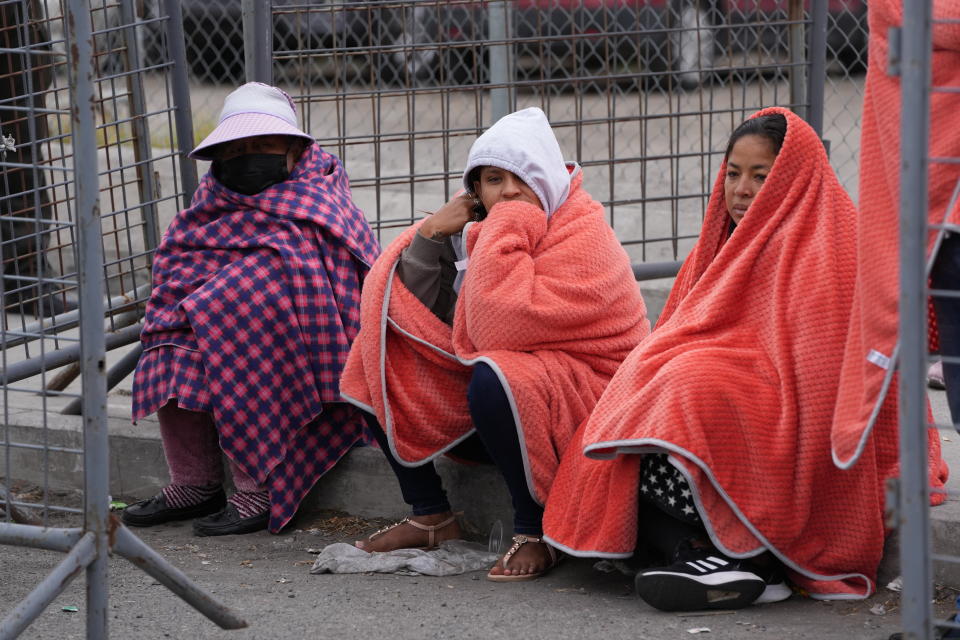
<point>530,559</point>
<point>415,532</point>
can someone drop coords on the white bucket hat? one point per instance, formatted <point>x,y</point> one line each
<point>255,109</point>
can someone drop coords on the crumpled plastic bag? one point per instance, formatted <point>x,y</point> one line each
<point>452,557</point>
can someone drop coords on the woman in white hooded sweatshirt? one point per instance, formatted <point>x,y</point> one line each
<point>488,332</point>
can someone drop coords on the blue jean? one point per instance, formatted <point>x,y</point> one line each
<point>946,275</point>
<point>495,440</point>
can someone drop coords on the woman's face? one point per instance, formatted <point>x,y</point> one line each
<point>749,163</point>
<point>279,144</point>
<point>499,185</point>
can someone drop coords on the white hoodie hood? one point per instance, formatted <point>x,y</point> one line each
<point>524,144</point>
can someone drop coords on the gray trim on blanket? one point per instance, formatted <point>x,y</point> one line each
<point>872,421</point>
<point>388,419</point>
<point>585,554</point>
<point>388,416</point>
<point>516,420</point>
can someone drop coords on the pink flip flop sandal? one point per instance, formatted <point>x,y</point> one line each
<point>430,529</point>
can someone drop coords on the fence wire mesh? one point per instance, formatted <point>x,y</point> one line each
<point>138,184</point>
<point>559,45</point>
<point>394,43</point>
<point>88,172</point>
<point>642,94</point>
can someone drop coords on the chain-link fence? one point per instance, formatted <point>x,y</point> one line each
<point>642,94</point>
<point>595,63</point>
<point>39,240</point>
<point>670,51</point>
<point>82,162</point>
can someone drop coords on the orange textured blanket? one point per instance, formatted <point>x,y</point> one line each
<point>552,307</point>
<point>738,384</point>
<point>870,360</point>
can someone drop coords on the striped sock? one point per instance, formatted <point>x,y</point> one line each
<point>250,503</point>
<point>179,496</point>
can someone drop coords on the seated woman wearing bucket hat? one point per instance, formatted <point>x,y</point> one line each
<point>503,315</point>
<point>725,412</point>
<point>256,300</point>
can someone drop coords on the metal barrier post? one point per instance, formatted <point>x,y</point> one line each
<point>181,96</point>
<point>257,40</point>
<point>53,359</point>
<point>141,129</point>
<point>96,463</point>
<point>796,43</point>
<point>88,549</point>
<point>818,65</point>
<point>115,376</point>
<point>501,98</point>
<point>153,564</point>
<point>914,522</point>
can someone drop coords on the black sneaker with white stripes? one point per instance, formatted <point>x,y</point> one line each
<point>700,579</point>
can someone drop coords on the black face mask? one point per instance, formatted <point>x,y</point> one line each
<point>252,173</point>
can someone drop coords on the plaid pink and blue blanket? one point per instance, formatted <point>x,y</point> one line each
<point>256,301</point>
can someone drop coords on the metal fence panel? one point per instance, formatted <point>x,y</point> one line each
<point>83,158</point>
<point>422,42</point>
<point>642,93</point>
<point>921,85</point>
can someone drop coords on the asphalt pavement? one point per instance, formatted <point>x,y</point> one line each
<point>266,579</point>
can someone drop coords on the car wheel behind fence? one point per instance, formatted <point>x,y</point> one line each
<point>693,46</point>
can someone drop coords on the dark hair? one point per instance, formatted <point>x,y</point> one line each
<point>772,126</point>
<point>473,176</point>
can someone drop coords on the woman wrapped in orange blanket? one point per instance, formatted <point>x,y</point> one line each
<point>493,335</point>
<point>730,402</point>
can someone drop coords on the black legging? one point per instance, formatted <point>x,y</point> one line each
<point>493,419</point>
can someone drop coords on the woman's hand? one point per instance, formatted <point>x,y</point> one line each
<point>450,219</point>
